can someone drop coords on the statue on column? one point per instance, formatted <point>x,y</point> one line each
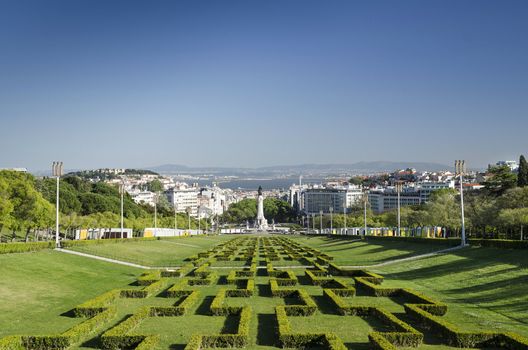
<point>261,223</point>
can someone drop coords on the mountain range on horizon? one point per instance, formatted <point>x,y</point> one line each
<point>358,167</point>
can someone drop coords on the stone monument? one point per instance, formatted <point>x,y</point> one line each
<point>261,223</point>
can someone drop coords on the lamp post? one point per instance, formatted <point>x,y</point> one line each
<point>156,211</point>
<point>57,170</point>
<point>460,169</point>
<point>189,217</point>
<point>199,223</point>
<point>365,200</point>
<point>344,215</point>
<point>331,220</point>
<point>313,221</point>
<point>399,187</point>
<point>321,221</point>
<point>122,193</point>
<point>175,217</point>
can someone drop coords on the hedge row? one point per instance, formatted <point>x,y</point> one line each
<point>453,336</point>
<point>74,243</point>
<point>438,241</point>
<point>96,305</point>
<point>403,334</point>
<point>147,278</point>
<point>239,339</point>
<point>11,342</point>
<point>117,338</point>
<point>301,340</point>
<point>72,336</point>
<point>187,299</point>
<point>20,247</point>
<point>145,292</point>
<point>369,276</point>
<point>209,279</point>
<point>247,290</point>
<point>498,243</point>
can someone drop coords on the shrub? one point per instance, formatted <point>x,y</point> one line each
<point>499,243</point>
<point>96,305</point>
<point>116,337</point>
<point>22,247</point>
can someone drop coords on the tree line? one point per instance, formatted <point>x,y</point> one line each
<point>27,207</point>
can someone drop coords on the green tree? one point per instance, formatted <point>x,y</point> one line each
<point>522,176</point>
<point>499,180</point>
<point>6,207</point>
<point>155,186</point>
<point>514,217</point>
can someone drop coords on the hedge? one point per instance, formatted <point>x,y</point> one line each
<point>70,337</point>
<point>498,243</point>
<point>22,247</point>
<point>73,243</point>
<point>300,340</point>
<point>11,342</point>
<point>239,339</point>
<point>96,305</point>
<point>453,336</point>
<point>116,337</point>
<point>145,292</point>
<point>452,242</point>
<point>148,278</point>
<point>187,299</point>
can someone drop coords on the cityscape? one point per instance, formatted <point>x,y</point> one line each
<point>198,175</point>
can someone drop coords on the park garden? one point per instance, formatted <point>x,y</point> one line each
<point>265,292</point>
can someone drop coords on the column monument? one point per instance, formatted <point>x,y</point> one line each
<point>261,223</point>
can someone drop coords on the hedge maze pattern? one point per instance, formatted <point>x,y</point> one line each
<point>286,286</point>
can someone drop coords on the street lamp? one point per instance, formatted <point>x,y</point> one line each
<point>399,187</point>
<point>365,201</point>
<point>331,220</point>
<point>188,210</point>
<point>175,217</point>
<point>57,171</point>
<point>321,221</point>
<point>199,223</point>
<point>345,214</point>
<point>156,195</point>
<point>460,170</point>
<point>122,193</point>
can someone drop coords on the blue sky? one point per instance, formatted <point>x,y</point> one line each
<point>255,83</point>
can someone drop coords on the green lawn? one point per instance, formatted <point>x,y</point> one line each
<point>164,252</point>
<point>36,288</point>
<point>485,289</point>
<point>347,251</point>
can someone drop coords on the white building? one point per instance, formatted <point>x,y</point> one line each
<point>513,165</point>
<point>184,199</point>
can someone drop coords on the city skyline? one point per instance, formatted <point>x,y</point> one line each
<point>255,84</point>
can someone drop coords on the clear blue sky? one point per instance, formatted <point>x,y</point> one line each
<point>101,83</point>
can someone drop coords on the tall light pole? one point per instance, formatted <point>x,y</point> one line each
<point>122,193</point>
<point>460,169</point>
<point>57,170</point>
<point>365,200</point>
<point>331,220</point>
<point>344,215</point>
<point>399,187</point>
<point>175,217</point>
<point>199,223</point>
<point>321,220</point>
<point>189,217</point>
<point>156,211</point>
